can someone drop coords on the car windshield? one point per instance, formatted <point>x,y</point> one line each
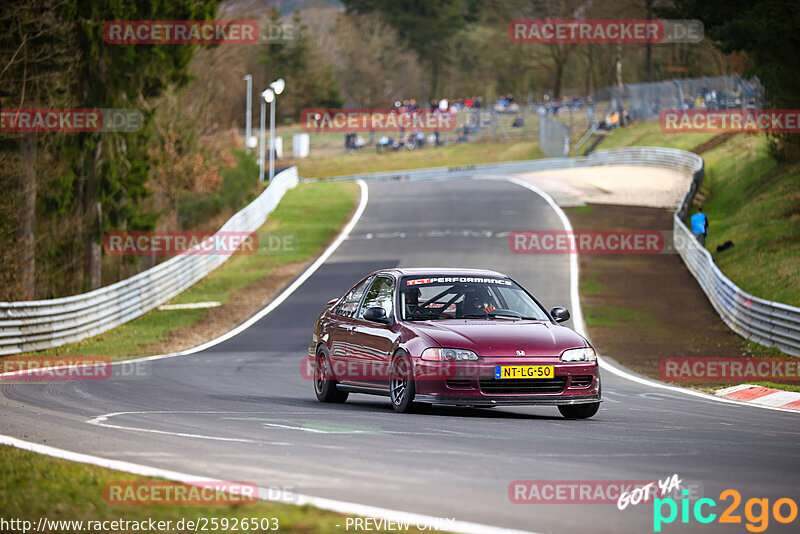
<point>464,297</point>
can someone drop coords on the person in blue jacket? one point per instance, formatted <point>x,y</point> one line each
<point>700,226</point>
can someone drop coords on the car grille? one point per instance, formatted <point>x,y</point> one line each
<point>581,381</point>
<point>459,383</point>
<point>522,386</point>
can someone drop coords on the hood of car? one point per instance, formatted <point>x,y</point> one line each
<point>500,337</point>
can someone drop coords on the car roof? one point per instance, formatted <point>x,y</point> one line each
<point>439,271</point>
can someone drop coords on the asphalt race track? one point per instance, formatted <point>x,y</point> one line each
<point>241,410</point>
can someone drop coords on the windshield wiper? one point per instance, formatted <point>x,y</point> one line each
<point>424,318</point>
<point>489,315</point>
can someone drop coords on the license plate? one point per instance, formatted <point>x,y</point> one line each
<point>524,371</point>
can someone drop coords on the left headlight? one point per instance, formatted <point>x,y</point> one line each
<point>438,355</point>
<point>585,354</point>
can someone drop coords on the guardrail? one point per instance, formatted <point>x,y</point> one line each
<point>36,325</point>
<point>762,321</point>
<point>41,324</point>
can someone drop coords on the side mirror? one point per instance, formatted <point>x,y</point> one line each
<point>560,314</point>
<point>376,314</point>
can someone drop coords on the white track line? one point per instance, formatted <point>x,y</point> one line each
<point>342,507</point>
<point>330,504</point>
<point>261,313</point>
<point>580,327</point>
<point>266,494</point>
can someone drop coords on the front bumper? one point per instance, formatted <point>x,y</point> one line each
<point>474,384</point>
<point>516,400</point>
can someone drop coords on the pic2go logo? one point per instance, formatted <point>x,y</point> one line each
<point>757,521</point>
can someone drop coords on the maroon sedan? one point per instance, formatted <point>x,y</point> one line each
<point>454,337</point>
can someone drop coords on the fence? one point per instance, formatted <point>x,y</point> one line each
<point>36,325</point>
<point>762,321</point>
<point>645,101</point>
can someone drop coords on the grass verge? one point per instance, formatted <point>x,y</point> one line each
<point>72,491</point>
<point>241,278</point>
<point>754,201</point>
<point>447,156</point>
<point>650,134</point>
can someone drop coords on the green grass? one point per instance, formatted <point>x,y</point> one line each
<point>447,156</point>
<point>34,486</point>
<point>300,212</point>
<point>607,316</point>
<point>750,199</point>
<point>650,134</point>
<point>754,201</point>
<point>590,286</point>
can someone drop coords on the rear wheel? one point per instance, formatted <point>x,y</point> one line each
<point>579,411</point>
<point>324,384</point>
<point>401,385</point>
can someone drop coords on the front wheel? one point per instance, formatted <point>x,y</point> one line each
<point>579,411</point>
<point>324,384</point>
<point>401,385</point>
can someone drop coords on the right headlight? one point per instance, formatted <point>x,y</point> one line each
<point>440,355</point>
<point>585,354</point>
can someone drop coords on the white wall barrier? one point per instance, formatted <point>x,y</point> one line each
<point>41,324</point>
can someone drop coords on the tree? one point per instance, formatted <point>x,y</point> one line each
<point>768,32</point>
<point>35,66</point>
<point>310,82</point>
<point>427,27</point>
<point>111,177</point>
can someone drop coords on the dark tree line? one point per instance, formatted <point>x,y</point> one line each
<point>53,55</point>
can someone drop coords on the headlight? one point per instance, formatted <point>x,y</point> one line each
<point>586,354</point>
<point>439,355</point>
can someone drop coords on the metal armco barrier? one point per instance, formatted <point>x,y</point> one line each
<point>762,321</point>
<point>41,324</point>
<point>36,325</point>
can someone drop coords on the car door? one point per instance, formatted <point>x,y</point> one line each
<point>373,341</point>
<point>341,328</point>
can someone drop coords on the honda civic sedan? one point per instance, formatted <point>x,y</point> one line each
<point>451,337</point>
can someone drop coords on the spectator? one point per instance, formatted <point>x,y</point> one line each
<point>699,223</point>
<point>612,121</point>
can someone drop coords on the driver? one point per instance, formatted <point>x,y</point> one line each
<point>411,300</point>
<point>477,304</point>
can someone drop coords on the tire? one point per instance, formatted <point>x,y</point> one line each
<point>579,411</point>
<point>324,385</point>
<point>401,384</point>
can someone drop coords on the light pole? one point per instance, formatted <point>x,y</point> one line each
<point>266,96</point>
<point>248,126</point>
<point>277,87</point>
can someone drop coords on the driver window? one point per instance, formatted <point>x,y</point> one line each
<point>378,295</point>
<point>349,305</point>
